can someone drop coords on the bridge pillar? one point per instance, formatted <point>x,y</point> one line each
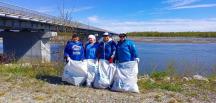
<point>28,46</point>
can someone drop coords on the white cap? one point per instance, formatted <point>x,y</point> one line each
<point>92,36</point>
<point>106,33</point>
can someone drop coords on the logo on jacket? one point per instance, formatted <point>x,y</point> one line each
<point>75,47</point>
<point>76,50</point>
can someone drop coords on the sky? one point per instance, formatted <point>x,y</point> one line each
<point>133,15</point>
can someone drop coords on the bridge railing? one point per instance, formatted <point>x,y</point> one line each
<point>12,10</point>
<point>24,13</point>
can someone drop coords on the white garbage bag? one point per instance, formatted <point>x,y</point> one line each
<point>104,77</point>
<point>126,77</point>
<point>75,72</point>
<point>92,66</point>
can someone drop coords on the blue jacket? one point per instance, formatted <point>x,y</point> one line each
<point>74,50</point>
<point>106,50</point>
<point>126,51</point>
<point>91,50</point>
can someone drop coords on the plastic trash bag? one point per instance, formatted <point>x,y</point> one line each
<point>125,79</point>
<point>92,66</point>
<point>104,77</point>
<point>75,72</point>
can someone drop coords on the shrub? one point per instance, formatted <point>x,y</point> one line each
<point>158,75</point>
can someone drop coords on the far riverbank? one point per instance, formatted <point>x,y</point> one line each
<point>173,39</point>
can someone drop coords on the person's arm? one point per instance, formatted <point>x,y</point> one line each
<point>116,54</point>
<point>133,50</point>
<point>98,51</point>
<point>85,50</point>
<point>113,48</point>
<point>66,52</point>
<point>82,53</point>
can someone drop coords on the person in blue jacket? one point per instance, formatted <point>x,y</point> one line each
<point>91,48</point>
<point>74,49</point>
<point>126,50</point>
<point>107,48</point>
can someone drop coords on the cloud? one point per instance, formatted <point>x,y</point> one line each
<point>74,10</point>
<point>186,4</point>
<point>82,9</point>
<point>161,25</point>
<point>93,18</point>
<point>196,6</point>
<point>46,10</point>
<point>179,3</point>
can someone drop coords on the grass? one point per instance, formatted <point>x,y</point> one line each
<point>32,77</point>
<point>203,85</point>
<point>193,88</point>
<point>30,71</point>
<point>15,70</point>
<point>156,81</point>
<point>149,85</point>
<point>158,75</point>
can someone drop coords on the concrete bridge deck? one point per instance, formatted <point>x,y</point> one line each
<point>34,31</point>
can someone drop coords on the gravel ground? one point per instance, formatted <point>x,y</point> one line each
<point>25,90</point>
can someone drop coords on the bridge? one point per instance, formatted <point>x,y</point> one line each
<point>26,33</point>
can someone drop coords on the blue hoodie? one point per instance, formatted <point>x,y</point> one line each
<point>126,51</point>
<point>106,50</point>
<point>74,50</point>
<point>91,50</point>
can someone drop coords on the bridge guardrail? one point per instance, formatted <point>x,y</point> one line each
<point>24,13</point>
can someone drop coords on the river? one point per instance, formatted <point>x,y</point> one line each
<point>184,57</point>
<point>193,58</point>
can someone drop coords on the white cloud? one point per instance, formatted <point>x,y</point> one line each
<point>161,25</point>
<point>179,3</point>
<point>82,9</point>
<point>74,10</point>
<point>46,10</point>
<point>196,6</point>
<point>93,18</point>
<point>186,4</point>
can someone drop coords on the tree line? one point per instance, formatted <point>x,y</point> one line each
<point>172,34</point>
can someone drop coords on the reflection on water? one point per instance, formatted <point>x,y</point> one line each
<point>57,52</point>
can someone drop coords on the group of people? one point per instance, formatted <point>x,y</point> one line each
<point>119,60</point>
<point>108,50</point>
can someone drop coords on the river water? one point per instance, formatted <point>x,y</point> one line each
<point>184,57</point>
<point>190,58</point>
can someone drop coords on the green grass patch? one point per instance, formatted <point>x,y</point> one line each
<point>171,86</point>
<point>30,71</point>
<point>159,80</point>
<point>158,75</point>
<point>149,85</point>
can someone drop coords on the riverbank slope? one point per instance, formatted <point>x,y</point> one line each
<point>24,83</point>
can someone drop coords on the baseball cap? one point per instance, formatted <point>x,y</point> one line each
<point>106,34</point>
<point>122,34</point>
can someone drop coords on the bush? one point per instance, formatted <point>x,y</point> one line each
<point>158,75</point>
<point>149,85</point>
